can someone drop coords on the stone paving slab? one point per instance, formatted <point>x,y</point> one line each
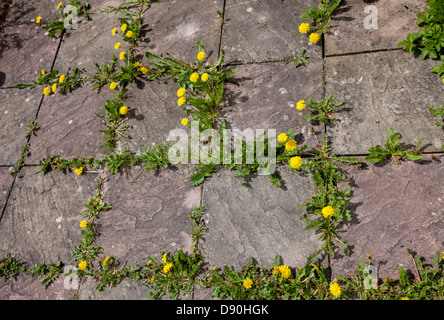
<point>24,52</point>
<point>174,27</point>
<point>41,220</point>
<point>383,90</point>
<point>128,289</point>
<point>6,181</point>
<point>258,220</point>
<point>69,126</point>
<point>394,207</point>
<point>395,20</point>
<point>27,287</point>
<point>149,217</point>
<point>26,11</point>
<point>264,96</point>
<point>263,31</point>
<point>18,107</point>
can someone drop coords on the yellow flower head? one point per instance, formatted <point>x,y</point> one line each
<point>204,77</point>
<point>129,34</point>
<point>123,27</point>
<point>328,211</point>
<point>442,80</point>
<point>123,110</point>
<point>78,171</point>
<point>300,105</point>
<point>276,270</point>
<point>38,19</point>
<point>122,55</point>
<point>405,298</point>
<point>112,86</point>
<point>290,145</point>
<point>335,290</point>
<point>114,31</point>
<point>54,87</point>
<point>314,37</point>
<point>106,261</point>
<point>117,45</point>
<point>282,137</point>
<point>304,27</point>
<point>62,78</point>
<point>152,279</point>
<point>46,91</point>
<point>59,5</point>
<point>181,101</point>
<point>314,266</point>
<point>43,71</point>
<point>201,55</point>
<point>83,265</point>
<point>137,64</point>
<point>247,283</point>
<point>181,92</point>
<point>167,267</point>
<point>149,262</point>
<point>144,70</point>
<point>83,224</point>
<point>285,271</point>
<point>184,121</point>
<point>194,77</point>
<point>164,259</point>
<point>296,162</point>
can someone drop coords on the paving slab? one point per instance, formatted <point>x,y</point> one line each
<point>258,220</point>
<point>174,27</point>
<point>264,96</point>
<point>27,287</point>
<point>25,50</point>
<point>19,106</point>
<point>6,181</point>
<point>394,207</point>
<point>351,26</point>
<point>258,31</point>
<point>69,125</point>
<point>383,90</point>
<point>149,215</point>
<point>128,289</point>
<point>41,220</point>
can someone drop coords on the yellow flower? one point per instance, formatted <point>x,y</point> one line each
<point>335,290</point>
<point>123,110</point>
<point>54,87</point>
<point>442,80</point>
<point>369,256</point>
<point>405,298</point>
<point>181,101</point>
<point>314,266</point>
<point>167,267</point>
<point>83,224</point>
<point>164,259</point>
<point>144,70</point>
<point>248,283</point>
<point>122,55</point>
<point>285,271</point>
<point>152,279</point>
<point>1,266</point>
<point>46,91</point>
<point>60,3</point>
<point>181,92</point>
<point>149,262</point>
<point>314,37</point>
<point>296,162</point>
<point>129,34</point>
<point>43,71</point>
<point>114,31</point>
<point>78,171</point>
<point>123,27</point>
<point>117,45</point>
<point>276,270</point>
<point>137,64</point>
<point>62,78</point>
<point>328,211</point>
<point>38,19</point>
<point>204,77</point>
<point>112,86</point>
<point>83,265</point>
<point>201,55</point>
<point>194,77</point>
<point>282,137</point>
<point>304,27</point>
<point>290,145</point>
<point>106,261</point>
<point>184,121</point>
<point>300,105</point>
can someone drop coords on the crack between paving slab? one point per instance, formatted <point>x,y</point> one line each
<point>361,52</point>
<point>7,199</point>
<point>222,27</point>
